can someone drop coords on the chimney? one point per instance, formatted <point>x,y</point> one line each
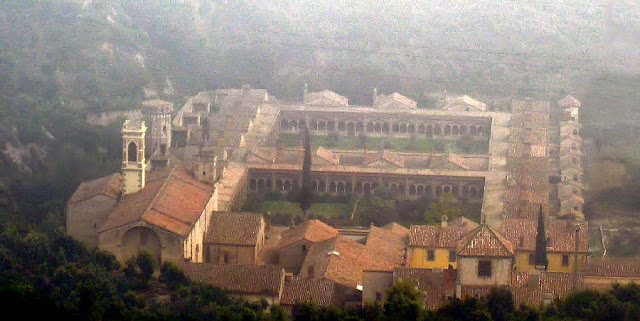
<point>375,95</point>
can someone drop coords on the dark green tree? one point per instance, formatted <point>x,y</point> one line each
<point>500,303</point>
<point>540,254</point>
<point>172,275</point>
<point>403,302</point>
<point>305,195</point>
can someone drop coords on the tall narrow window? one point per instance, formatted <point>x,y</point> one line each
<point>132,152</point>
<point>431,255</point>
<point>452,256</point>
<point>565,260</point>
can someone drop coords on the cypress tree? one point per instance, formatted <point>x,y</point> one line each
<point>305,190</point>
<point>540,254</point>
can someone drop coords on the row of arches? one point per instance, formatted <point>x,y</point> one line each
<point>367,188</point>
<point>352,127</point>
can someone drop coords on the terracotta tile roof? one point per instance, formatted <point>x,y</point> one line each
<point>342,261</point>
<point>484,241</point>
<point>173,203</point>
<point>613,267</point>
<point>312,230</point>
<point>237,279</point>
<point>457,160</point>
<point>569,101</point>
<point>396,228</point>
<point>317,97</point>
<point>390,245</point>
<point>265,155</point>
<point>435,284</point>
<point>234,228</point>
<point>531,288</point>
<point>299,290</point>
<point>562,236</point>
<point>438,236</point>
<point>396,98</point>
<point>465,100</point>
<point>327,155</point>
<point>109,186</point>
<point>385,155</point>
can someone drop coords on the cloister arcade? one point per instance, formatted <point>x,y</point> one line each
<point>363,184</point>
<point>426,127</point>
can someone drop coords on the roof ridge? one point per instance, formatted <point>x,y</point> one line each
<point>500,239</point>
<point>183,180</point>
<point>164,184</point>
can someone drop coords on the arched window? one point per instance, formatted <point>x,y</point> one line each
<point>284,124</point>
<point>132,152</point>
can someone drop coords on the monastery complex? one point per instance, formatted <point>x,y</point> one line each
<point>184,180</point>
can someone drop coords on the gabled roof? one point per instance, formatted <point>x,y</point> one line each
<point>613,267</point>
<point>569,101</point>
<point>457,160</point>
<point>173,202</point>
<point>234,228</point>
<point>386,156</point>
<point>342,261</point>
<point>394,101</point>
<point>484,241</point>
<point>326,97</point>
<point>109,186</point>
<point>300,290</point>
<point>388,244</point>
<point>312,230</point>
<point>266,156</point>
<point>560,234</point>
<point>396,228</point>
<point>438,236</point>
<point>327,155</point>
<point>237,279</point>
<point>465,101</point>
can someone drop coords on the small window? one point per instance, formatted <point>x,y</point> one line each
<point>452,256</point>
<point>310,272</point>
<point>431,255</point>
<point>304,247</point>
<point>532,259</point>
<point>484,268</point>
<point>226,258</point>
<point>378,296</point>
<point>565,260</point>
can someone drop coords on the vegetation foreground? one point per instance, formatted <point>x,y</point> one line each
<point>53,276</point>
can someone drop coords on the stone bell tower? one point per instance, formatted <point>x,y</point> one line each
<point>133,161</point>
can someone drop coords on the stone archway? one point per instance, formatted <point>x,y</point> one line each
<point>140,239</point>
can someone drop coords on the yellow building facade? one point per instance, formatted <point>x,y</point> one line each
<point>432,258</point>
<point>558,262</point>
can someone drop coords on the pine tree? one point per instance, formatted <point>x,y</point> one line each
<point>540,254</point>
<point>305,191</point>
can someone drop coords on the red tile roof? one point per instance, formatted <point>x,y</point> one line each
<point>390,245</point>
<point>342,260</point>
<point>109,186</point>
<point>531,288</point>
<point>174,203</point>
<point>613,267</point>
<point>234,228</point>
<point>387,156</point>
<point>237,279</point>
<point>484,241</point>
<point>435,284</point>
<point>438,236</point>
<point>327,155</point>
<point>300,290</point>
<point>311,230</point>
